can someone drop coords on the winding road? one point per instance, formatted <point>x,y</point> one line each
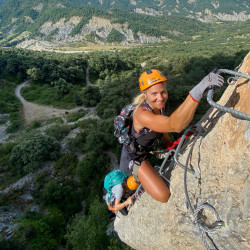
<point>33,112</point>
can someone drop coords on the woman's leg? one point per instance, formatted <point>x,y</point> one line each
<point>153,184</point>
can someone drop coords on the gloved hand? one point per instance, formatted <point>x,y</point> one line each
<point>212,79</point>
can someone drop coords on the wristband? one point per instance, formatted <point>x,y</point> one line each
<point>193,98</point>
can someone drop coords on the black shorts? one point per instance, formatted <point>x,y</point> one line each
<point>124,161</point>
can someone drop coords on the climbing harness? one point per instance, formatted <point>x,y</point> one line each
<point>231,81</point>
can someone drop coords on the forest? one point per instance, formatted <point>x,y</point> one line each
<point>70,211</point>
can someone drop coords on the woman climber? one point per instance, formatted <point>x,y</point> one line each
<point>118,188</point>
<point>148,114</point>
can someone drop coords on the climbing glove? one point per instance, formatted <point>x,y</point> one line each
<point>212,80</point>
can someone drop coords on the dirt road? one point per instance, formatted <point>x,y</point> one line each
<point>33,112</point>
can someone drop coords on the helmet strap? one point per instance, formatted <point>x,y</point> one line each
<point>147,101</point>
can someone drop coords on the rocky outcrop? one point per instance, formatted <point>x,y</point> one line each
<point>63,27</point>
<point>196,10</point>
<point>220,158</point>
<point>208,16</point>
<point>101,27</point>
<point>148,11</point>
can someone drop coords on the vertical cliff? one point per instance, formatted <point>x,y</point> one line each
<point>220,158</point>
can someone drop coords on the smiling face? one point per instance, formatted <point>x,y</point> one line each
<point>157,95</point>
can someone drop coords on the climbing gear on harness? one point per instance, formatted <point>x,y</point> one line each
<point>172,145</point>
<point>150,78</point>
<point>113,178</point>
<point>131,183</point>
<point>135,167</point>
<point>212,80</point>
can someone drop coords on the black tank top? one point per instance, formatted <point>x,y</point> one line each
<point>149,138</point>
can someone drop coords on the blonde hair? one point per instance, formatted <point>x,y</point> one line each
<point>138,101</point>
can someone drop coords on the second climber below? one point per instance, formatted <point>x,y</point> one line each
<point>148,113</point>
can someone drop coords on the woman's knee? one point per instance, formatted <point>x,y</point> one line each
<point>164,195</point>
<point>153,184</point>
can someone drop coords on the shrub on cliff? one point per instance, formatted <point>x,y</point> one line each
<point>32,152</point>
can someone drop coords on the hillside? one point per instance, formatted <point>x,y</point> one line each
<point>206,10</point>
<point>43,24</point>
<point>60,23</point>
<point>219,155</point>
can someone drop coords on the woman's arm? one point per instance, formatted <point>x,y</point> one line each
<point>120,205</point>
<point>160,123</point>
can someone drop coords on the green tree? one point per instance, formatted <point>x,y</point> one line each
<point>91,96</point>
<point>58,131</point>
<point>78,99</point>
<point>62,196</point>
<point>114,36</point>
<point>34,73</point>
<point>32,152</point>
<point>89,231</point>
<point>52,193</point>
<point>36,234</point>
<point>62,87</point>
<point>76,144</point>
<point>66,165</point>
<point>90,171</point>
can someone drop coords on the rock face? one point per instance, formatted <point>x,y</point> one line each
<point>101,27</point>
<point>220,158</point>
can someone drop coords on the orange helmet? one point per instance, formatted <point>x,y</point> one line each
<point>131,183</point>
<point>150,78</point>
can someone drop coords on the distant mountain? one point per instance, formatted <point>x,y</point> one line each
<point>45,23</point>
<point>206,10</point>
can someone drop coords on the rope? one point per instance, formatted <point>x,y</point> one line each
<point>235,113</point>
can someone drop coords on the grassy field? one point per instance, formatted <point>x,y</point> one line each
<point>77,46</point>
<point>46,95</point>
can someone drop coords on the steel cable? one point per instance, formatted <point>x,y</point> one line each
<point>235,113</point>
